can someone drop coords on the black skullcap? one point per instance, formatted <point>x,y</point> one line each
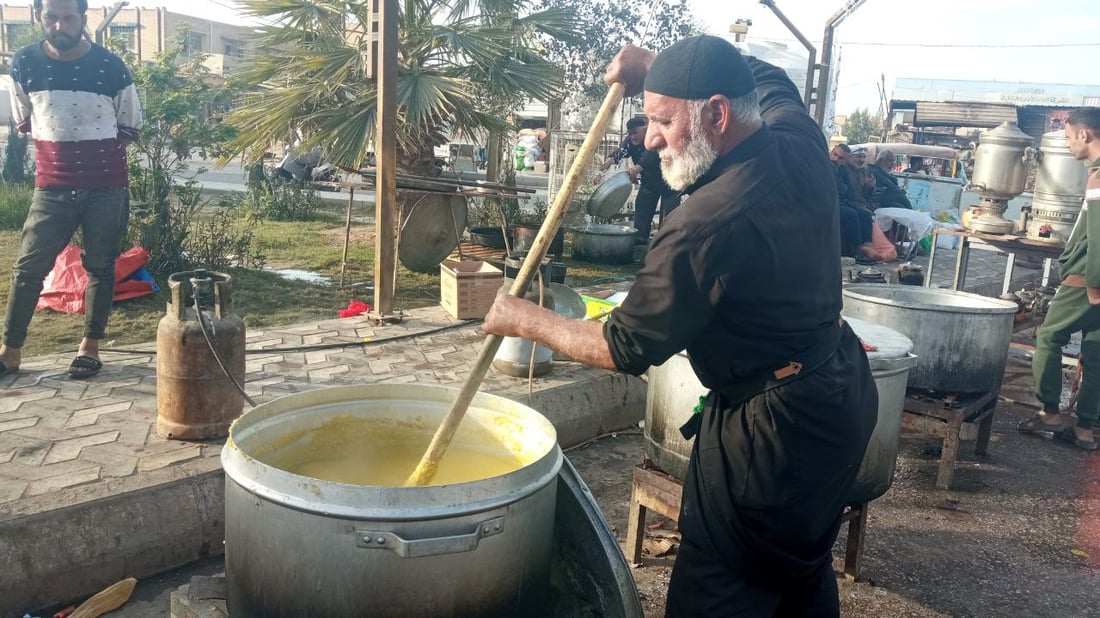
<point>698,68</point>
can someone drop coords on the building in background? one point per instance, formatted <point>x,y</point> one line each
<point>953,112</point>
<point>146,32</point>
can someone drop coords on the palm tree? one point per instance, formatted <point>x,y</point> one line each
<point>463,65</point>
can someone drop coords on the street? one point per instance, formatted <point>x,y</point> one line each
<point>231,177</point>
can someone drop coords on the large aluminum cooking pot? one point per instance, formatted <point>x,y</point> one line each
<point>891,362</point>
<point>603,243</point>
<point>961,339</point>
<point>1059,188</point>
<point>674,392</point>
<point>301,546</point>
<point>671,396</point>
<point>1000,162</point>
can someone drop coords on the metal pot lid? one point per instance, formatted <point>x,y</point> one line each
<point>888,343</point>
<point>1008,134</point>
<point>610,197</point>
<point>1055,140</point>
<point>431,231</point>
<point>567,302</point>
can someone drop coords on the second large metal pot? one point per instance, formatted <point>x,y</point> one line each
<point>962,339</point>
<point>891,362</point>
<point>674,391</point>
<point>603,243</point>
<point>298,545</point>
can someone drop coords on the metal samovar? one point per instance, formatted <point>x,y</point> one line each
<point>1059,189</point>
<point>1000,171</point>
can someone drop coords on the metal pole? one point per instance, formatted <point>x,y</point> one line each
<point>385,191</point>
<point>805,43</point>
<point>347,234</point>
<point>101,28</point>
<point>827,56</point>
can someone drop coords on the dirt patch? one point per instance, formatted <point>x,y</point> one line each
<point>334,237</point>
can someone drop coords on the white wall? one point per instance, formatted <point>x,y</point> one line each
<point>5,100</point>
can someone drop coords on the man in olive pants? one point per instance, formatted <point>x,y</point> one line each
<point>78,102</point>
<point>1076,305</point>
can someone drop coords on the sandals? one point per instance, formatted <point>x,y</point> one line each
<point>5,370</point>
<point>1036,425</point>
<point>1069,435</point>
<point>84,367</point>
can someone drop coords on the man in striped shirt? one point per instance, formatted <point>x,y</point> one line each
<point>78,102</point>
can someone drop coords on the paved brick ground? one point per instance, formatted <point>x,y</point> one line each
<point>63,440</point>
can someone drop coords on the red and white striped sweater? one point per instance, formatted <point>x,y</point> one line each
<point>80,113</point>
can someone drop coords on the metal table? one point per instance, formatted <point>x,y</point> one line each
<point>943,417</point>
<point>1006,244</point>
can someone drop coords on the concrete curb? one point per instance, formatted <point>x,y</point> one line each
<point>57,556</point>
<point>54,557</point>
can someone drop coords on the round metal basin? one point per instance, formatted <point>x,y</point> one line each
<point>961,339</point>
<point>603,243</point>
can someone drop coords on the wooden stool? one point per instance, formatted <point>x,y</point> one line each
<point>944,418</point>
<point>654,490</point>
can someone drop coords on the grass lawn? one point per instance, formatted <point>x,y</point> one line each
<point>265,299</point>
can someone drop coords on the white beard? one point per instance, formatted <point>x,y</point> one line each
<point>685,168</point>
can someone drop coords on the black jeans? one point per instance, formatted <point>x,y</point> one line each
<point>855,227</point>
<point>102,216</point>
<point>645,206</point>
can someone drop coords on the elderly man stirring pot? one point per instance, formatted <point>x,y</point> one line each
<point>746,278</point>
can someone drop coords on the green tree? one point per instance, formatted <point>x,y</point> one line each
<point>607,25</point>
<point>180,103</point>
<point>463,65</point>
<point>861,125</point>
<point>19,35</point>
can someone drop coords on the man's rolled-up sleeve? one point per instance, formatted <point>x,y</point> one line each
<point>671,302</point>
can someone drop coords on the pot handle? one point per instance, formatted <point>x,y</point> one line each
<point>417,548</point>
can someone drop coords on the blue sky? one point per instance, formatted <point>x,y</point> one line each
<point>884,37</point>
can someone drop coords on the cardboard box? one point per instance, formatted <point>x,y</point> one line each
<point>467,289</point>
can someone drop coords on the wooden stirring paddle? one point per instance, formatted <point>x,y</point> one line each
<point>429,463</point>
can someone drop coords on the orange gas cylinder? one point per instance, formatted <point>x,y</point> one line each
<point>195,399</point>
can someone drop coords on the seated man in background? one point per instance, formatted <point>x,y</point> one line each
<point>916,166</point>
<point>855,214</point>
<point>864,180</point>
<point>886,193</point>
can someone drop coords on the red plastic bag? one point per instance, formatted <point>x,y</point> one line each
<point>63,290</point>
<point>355,308</point>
